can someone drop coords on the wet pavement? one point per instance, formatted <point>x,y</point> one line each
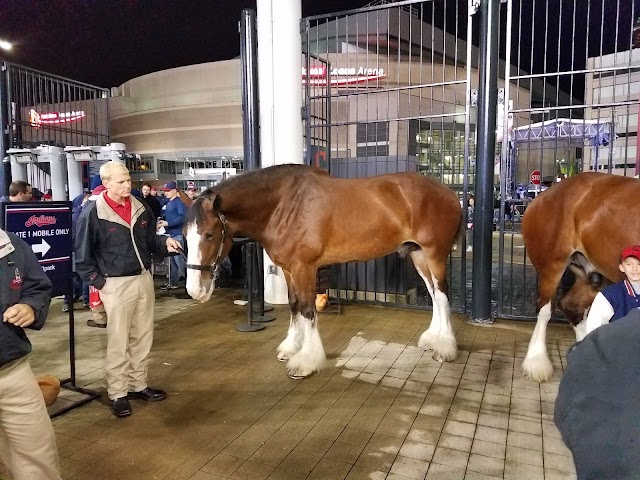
<point>381,409</point>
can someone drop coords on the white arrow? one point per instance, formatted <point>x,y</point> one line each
<point>41,248</point>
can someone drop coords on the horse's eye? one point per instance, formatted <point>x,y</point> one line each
<point>208,236</point>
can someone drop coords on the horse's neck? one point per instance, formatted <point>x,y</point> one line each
<point>248,211</point>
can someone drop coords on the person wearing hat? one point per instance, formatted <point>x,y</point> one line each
<point>617,300</point>
<point>174,215</point>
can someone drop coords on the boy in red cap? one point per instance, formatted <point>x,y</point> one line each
<point>617,300</point>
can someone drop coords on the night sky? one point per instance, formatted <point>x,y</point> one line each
<point>107,42</point>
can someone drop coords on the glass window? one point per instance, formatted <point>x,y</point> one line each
<point>441,153</point>
<point>144,164</point>
<point>372,139</point>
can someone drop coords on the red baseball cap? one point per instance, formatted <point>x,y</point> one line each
<point>630,251</point>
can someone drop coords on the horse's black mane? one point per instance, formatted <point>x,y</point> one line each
<point>257,178</point>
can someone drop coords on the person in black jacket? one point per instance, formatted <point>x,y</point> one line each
<point>598,406</point>
<point>27,440</point>
<point>151,200</point>
<point>116,237</point>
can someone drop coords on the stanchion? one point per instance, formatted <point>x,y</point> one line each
<point>250,326</point>
<point>260,308</point>
<point>70,383</point>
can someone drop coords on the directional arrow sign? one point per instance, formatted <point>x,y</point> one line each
<point>41,248</point>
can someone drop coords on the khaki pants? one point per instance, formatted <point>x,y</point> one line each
<point>128,302</point>
<point>27,441</point>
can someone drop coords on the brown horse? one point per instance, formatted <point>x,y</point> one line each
<point>185,198</point>
<point>583,223</point>
<point>306,219</point>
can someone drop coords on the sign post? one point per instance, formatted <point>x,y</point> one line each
<point>46,227</point>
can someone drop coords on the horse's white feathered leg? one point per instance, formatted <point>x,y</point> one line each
<point>293,343</point>
<point>430,335</point>
<point>536,364</point>
<point>439,336</point>
<point>311,357</point>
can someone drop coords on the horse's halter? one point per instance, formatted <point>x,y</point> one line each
<point>214,266</point>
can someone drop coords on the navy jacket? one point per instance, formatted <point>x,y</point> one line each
<point>622,298</point>
<point>106,246</point>
<point>174,215</point>
<point>21,281</point>
<point>598,405</point>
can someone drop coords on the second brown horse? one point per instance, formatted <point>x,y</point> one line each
<point>583,223</point>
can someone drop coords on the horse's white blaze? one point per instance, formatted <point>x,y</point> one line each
<point>195,288</point>
<point>536,364</point>
<point>293,343</point>
<point>311,357</point>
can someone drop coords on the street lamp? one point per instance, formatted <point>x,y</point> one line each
<point>4,45</point>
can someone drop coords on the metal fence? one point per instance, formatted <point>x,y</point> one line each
<point>393,87</point>
<point>388,90</point>
<point>582,115</point>
<point>45,109</point>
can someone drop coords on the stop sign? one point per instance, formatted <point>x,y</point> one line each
<point>536,177</point>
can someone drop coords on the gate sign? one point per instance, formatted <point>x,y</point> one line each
<point>46,227</point>
<point>536,177</point>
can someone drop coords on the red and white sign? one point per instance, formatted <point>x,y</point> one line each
<point>191,184</point>
<point>52,118</point>
<point>536,177</point>
<point>341,76</point>
<point>40,220</point>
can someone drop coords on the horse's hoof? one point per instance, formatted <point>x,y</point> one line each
<point>298,374</point>
<point>537,368</point>
<point>444,357</point>
<point>285,355</point>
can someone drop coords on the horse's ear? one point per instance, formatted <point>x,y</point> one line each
<point>217,203</point>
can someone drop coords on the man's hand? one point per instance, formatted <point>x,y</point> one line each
<point>21,315</point>
<point>173,245</point>
<point>162,223</point>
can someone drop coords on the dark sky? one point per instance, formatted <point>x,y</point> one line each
<point>107,42</point>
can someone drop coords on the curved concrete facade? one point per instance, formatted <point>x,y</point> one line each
<point>184,114</point>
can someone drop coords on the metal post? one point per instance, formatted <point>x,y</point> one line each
<point>250,111</point>
<point>260,308</point>
<point>483,210</point>
<point>5,179</point>
<point>250,254</point>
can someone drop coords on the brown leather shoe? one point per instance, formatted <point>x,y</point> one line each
<point>149,394</point>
